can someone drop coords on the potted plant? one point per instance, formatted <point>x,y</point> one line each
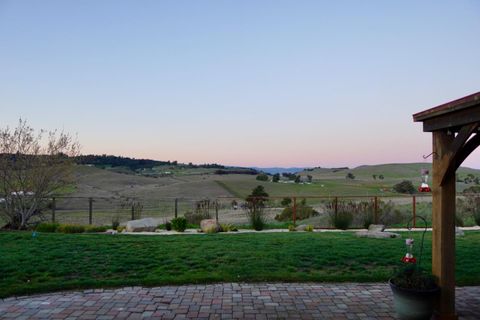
<point>414,289</point>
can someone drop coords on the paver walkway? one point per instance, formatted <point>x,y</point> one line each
<point>224,301</point>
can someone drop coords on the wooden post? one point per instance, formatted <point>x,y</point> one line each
<point>216,211</point>
<point>53,209</point>
<point>443,225</point>
<point>294,211</point>
<point>414,211</point>
<point>176,208</point>
<point>133,211</point>
<point>90,211</point>
<point>375,208</point>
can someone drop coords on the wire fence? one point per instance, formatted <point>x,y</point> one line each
<point>393,211</point>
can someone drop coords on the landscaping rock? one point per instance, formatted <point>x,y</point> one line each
<point>459,232</point>
<point>377,231</point>
<point>210,225</point>
<point>301,227</point>
<point>111,231</point>
<point>140,225</point>
<point>376,228</point>
<point>378,235</point>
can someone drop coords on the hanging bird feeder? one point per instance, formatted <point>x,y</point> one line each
<point>424,187</point>
<point>409,257</point>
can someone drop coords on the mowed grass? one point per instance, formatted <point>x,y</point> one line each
<point>58,262</point>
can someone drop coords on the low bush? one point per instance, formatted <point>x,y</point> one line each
<point>47,227</point>
<point>168,226</point>
<point>97,228</point>
<point>120,228</point>
<point>309,228</point>
<point>179,224</point>
<point>303,212</point>
<point>70,228</point>
<point>115,222</point>
<point>368,219</point>
<point>291,228</point>
<point>342,220</point>
<point>228,228</point>
<point>476,217</point>
<point>459,221</point>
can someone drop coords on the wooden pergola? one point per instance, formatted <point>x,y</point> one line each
<point>455,129</point>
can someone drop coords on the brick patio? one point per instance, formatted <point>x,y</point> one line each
<point>224,301</point>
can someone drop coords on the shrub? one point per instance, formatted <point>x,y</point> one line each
<point>179,224</point>
<point>96,228</point>
<point>168,226</point>
<point>262,177</point>
<point>115,221</point>
<point>459,221</point>
<point>291,227</point>
<point>257,219</point>
<point>406,186</point>
<point>70,228</point>
<point>228,228</point>
<point>254,206</point>
<point>309,228</point>
<point>47,227</point>
<point>303,212</point>
<point>350,176</point>
<point>367,219</point>
<point>476,217</point>
<point>342,220</point>
<point>120,228</point>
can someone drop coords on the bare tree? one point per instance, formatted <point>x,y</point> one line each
<point>33,167</point>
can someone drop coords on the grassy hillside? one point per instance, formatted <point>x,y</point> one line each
<point>204,183</point>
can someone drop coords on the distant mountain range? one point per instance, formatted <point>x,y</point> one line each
<point>274,170</point>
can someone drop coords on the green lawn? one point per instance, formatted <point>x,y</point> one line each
<point>58,261</point>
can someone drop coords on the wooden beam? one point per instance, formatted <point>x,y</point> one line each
<point>467,149</point>
<point>443,225</point>
<point>454,148</point>
<point>452,120</point>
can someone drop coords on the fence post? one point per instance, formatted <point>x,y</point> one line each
<point>294,211</point>
<point>414,211</point>
<point>133,211</point>
<point>90,210</point>
<point>216,210</point>
<point>376,209</point>
<point>176,208</point>
<point>53,209</point>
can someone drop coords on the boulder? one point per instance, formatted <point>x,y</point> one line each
<point>210,226</point>
<point>141,225</point>
<point>377,234</point>
<point>377,231</point>
<point>376,228</point>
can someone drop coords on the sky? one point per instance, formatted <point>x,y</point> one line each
<point>247,83</point>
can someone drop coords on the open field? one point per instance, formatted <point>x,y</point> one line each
<point>202,183</point>
<point>58,262</point>
<point>112,192</point>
